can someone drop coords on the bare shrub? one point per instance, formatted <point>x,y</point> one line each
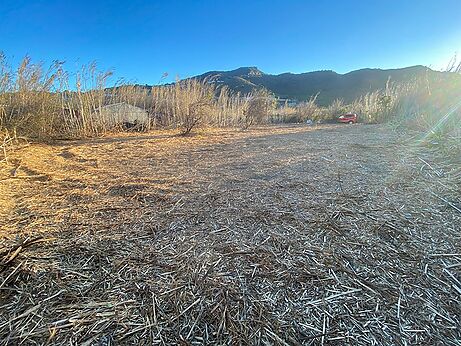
<point>257,108</point>
<point>192,100</point>
<point>193,116</point>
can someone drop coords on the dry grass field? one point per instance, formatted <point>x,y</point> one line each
<point>283,235</point>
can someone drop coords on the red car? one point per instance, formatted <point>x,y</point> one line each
<point>349,118</point>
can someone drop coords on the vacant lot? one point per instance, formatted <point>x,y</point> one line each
<point>275,236</point>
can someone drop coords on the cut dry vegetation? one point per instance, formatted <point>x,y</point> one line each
<point>275,236</point>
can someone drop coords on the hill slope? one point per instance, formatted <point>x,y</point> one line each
<point>329,84</point>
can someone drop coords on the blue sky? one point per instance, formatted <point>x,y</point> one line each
<point>140,40</point>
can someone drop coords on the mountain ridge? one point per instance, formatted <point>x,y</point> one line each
<point>328,84</point>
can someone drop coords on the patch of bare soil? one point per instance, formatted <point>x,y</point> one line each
<point>275,236</point>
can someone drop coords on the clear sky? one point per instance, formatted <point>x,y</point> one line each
<point>140,40</point>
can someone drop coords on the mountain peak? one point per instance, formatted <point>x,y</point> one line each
<point>249,71</point>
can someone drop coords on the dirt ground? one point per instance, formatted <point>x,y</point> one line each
<point>284,235</point>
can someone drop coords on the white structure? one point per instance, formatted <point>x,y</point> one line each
<point>122,114</point>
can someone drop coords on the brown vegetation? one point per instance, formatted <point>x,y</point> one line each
<point>45,104</point>
<point>282,235</point>
<point>49,103</point>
